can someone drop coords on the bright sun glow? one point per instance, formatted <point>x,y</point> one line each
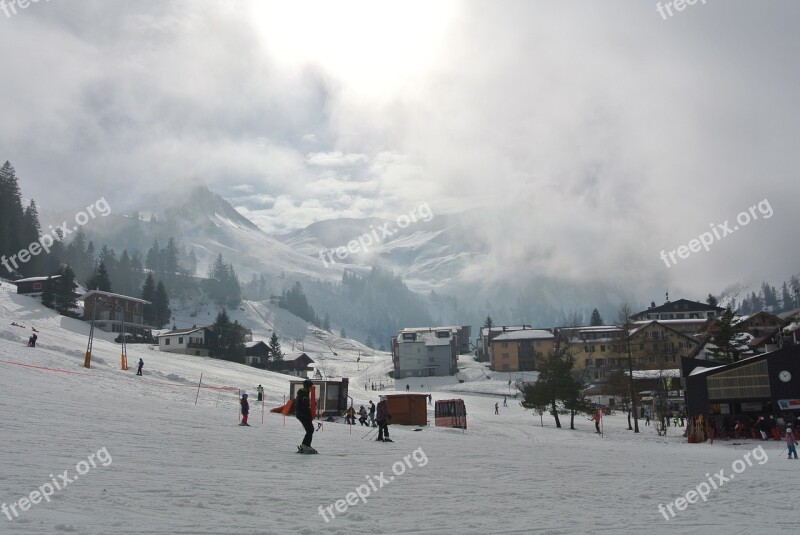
<point>371,45</point>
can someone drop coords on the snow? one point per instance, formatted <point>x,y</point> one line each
<point>181,467</point>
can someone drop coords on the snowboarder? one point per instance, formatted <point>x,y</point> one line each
<point>245,409</point>
<point>303,413</point>
<point>791,443</point>
<point>141,365</point>
<point>383,422</point>
<point>497,408</point>
<point>372,414</point>
<point>260,391</point>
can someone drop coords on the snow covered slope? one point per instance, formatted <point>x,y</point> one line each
<point>150,460</point>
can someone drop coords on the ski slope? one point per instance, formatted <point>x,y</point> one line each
<point>179,467</point>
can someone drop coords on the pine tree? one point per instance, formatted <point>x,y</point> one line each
<point>275,348</point>
<point>11,213</point>
<point>162,311</point>
<point>169,258</point>
<point>48,294</point>
<point>153,260</point>
<point>149,294</point>
<point>488,323</point>
<point>555,384</point>
<point>711,300</point>
<point>99,279</point>
<point>30,234</point>
<point>66,299</point>
<point>728,339</point>
<point>787,303</point>
<point>596,319</point>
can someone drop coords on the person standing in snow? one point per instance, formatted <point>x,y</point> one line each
<point>362,415</point>
<point>505,401</point>
<point>303,413</point>
<point>407,387</point>
<point>383,421</point>
<point>497,408</point>
<point>791,443</point>
<point>32,340</point>
<point>141,365</point>
<point>245,409</point>
<point>260,392</point>
<point>597,416</point>
<point>372,413</point>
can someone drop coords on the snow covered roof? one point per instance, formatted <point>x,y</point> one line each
<point>117,296</point>
<point>179,332</point>
<point>254,343</point>
<point>526,334</point>
<point>656,374</point>
<point>36,279</point>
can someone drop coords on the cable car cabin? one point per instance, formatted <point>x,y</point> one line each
<point>451,413</point>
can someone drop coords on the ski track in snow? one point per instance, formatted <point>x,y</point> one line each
<point>181,468</point>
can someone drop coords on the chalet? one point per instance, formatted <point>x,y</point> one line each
<point>424,354</point>
<point>679,310</point>
<point>111,311</point>
<point>197,341</point>
<point>461,333</point>
<point>34,286</point>
<point>256,353</point>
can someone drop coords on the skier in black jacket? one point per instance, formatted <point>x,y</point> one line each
<point>303,412</point>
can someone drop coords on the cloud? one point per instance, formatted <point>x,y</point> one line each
<point>336,159</point>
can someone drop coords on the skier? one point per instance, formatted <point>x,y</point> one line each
<point>505,401</point>
<point>596,419</point>
<point>303,413</point>
<point>791,443</point>
<point>496,408</point>
<point>245,409</point>
<point>372,414</point>
<point>260,391</point>
<point>141,365</point>
<point>362,415</point>
<point>430,399</point>
<point>350,416</point>
<point>383,422</point>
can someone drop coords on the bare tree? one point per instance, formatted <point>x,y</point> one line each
<point>624,319</point>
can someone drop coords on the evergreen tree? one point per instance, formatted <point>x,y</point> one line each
<point>596,319</point>
<point>30,234</point>
<point>787,303</point>
<point>169,258</point>
<point>275,348</point>
<point>488,323</point>
<point>77,255</point>
<point>223,284</point>
<point>11,213</point>
<point>728,339</point>
<point>99,279</point>
<point>162,311</point>
<point>66,299</point>
<point>48,294</point>
<point>153,260</point>
<point>711,300</point>
<point>230,338</point>
<point>149,294</point>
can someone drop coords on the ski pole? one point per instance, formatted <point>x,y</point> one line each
<point>370,432</point>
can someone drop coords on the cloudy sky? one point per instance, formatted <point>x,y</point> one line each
<point>591,135</point>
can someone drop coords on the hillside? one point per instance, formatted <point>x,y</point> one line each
<point>165,463</point>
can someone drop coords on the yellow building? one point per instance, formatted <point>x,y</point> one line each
<point>518,350</point>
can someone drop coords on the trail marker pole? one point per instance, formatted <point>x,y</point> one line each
<point>198,388</point>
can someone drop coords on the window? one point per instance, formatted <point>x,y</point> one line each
<point>166,341</point>
<point>602,349</point>
<point>505,356</point>
<point>430,349</point>
<point>641,347</point>
<point>601,362</point>
<point>504,344</point>
<point>37,285</point>
<point>588,362</point>
<point>180,339</point>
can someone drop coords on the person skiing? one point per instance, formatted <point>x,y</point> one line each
<point>350,416</point>
<point>596,419</point>
<point>303,413</point>
<point>791,443</point>
<point>372,414</point>
<point>260,392</point>
<point>383,421</point>
<point>362,415</point>
<point>141,365</point>
<point>245,409</point>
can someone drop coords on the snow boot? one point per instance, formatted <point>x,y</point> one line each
<point>387,439</point>
<point>379,439</point>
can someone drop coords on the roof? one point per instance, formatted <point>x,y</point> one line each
<point>681,305</point>
<point>117,296</point>
<point>36,279</point>
<point>527,334</point>
<point>179,332</point>
<point>254,343</point>
<point>485,330</point>
<point>655,374</point>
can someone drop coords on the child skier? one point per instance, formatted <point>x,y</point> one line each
<point>372,413</point>
<point>260,391</point>
<point>362,415</point>
<point>245,409</point>
<point>303,413</point>
<point>791,443</point>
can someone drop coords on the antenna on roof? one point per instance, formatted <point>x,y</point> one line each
<point>667,296</point>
